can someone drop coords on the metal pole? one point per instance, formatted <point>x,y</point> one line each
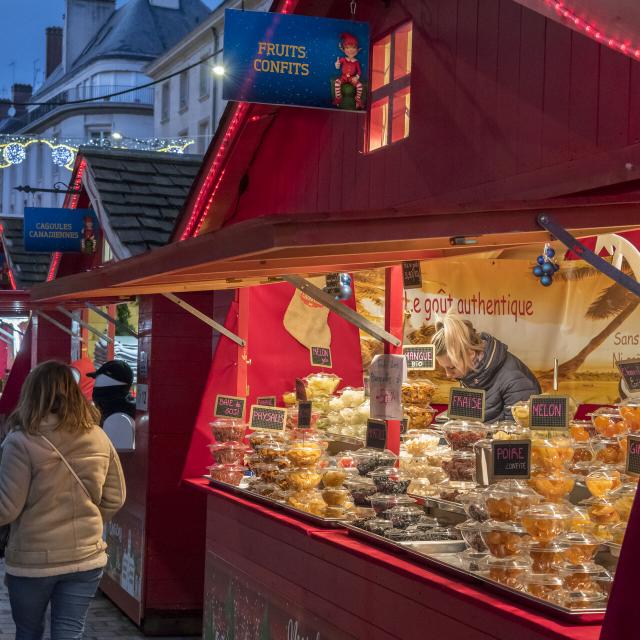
<point>57,324</point>
<point>86,325</point>
<point>112,320</point>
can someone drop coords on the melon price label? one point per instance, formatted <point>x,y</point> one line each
<point>510,459</point>
<point>549,412</point>
<point>420,356</point>
<point>229,407</point>
<point>321,357</point>
<point>267,418</point>
<point>466,404</point>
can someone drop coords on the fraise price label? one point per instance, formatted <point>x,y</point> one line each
<point>229,407</point>
<point>320,357</point>
<point>267,418</point>
<point>633,456</point>
<point>510,459</point>
<point>420,356</point>
<point>376,434</point>
<point>466,404</point>
<point>549,412</point>
<point>630,372</point>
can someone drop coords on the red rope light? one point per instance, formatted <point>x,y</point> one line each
<point>213,180</point>
<point>592,31</point>
<point>12,280</point>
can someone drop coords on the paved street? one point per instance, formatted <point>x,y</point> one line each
<point>105,621</point>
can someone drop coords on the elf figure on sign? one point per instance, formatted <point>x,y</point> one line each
<point>350,70</point>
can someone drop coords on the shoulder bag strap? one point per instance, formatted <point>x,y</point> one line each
<point>73,473</point>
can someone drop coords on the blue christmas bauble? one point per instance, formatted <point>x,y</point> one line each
<point>546,280</point>
<point>540,259</point>
<point>345,279</point>
<point>547,268</point>
<point>345,292</point>
<point>537,271</point>
<point>551,252</point>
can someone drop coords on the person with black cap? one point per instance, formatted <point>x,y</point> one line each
<point>111,391</point>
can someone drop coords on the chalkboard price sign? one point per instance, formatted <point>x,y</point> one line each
<point>304,415</point>
<point>420,356</point>
<point>411,274</point>
<point>376,434</point>
<point>549,412</point>
<point>229,407</point>
<point>510,459</point>
<point>321,357</point>
<point>266,401</point>
<point>633,455</point>
<point>332,284</point>
<point>267,418</point>
<point>466,404</point>
<point>630,372</point>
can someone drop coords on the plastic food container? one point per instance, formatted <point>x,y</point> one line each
<point>270,451</point>
<point>554,486</point>
<point>351,396</point>
<point>369,459</point>
<point>334,476</point>
<point>452,491</point>
<point>267,471</point>
<point>582,600</point>
<point>475,507</point>
<point>418,443</point>
<point>403,516</point>
<point>471,534</point>
<point>304,478</point>
<point>580,577</point>
<point>304,453</point>
<point>580,521</point>
<point>417,392</point>
<point>398,535</point>
<point>321,384</point>
<point>227,452</point>
<point>336,497</point>
<point>601,482</point>
<point>508,571</point>
<point>545,522</point>
<point>414,466</point>
<point>542,585</point>
<point>623,500</point>
<point>630,412</point>
<point>582,452</point>
<point>292,418</point>
<point>259,438</point>
<point>377,526</point>
<point>608,422</point>
<point>506,430</point>
<point>609,451</point>
<point>390,480</point>
<point>227,430</point>
<point>503,539</point>
<point>463,434</point>
<point>229,473</point>
<point>581,547</point>
<point>309,501</point>
<point>582,430</point>
<point>419,417</point>
<point>361,490</point>
<point>604,582</point>
<point>551,454</point>
<point>461,467</point>
<point>520,413</point>
<point>381,502</point>
<point>546,558</point>
<point>617,532</point>
<point>506,499</point>
<point>422,487</point>
<point>437,455</point>
<point>602,511</point>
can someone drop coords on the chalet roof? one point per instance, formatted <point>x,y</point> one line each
<point>27,268</point>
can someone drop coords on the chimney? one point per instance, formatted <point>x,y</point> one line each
<point>5,105</point>
<point>82,21</point>
<point>53,37</point>
<point>20,93</point>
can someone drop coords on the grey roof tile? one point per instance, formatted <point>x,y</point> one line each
<point>28,268</point>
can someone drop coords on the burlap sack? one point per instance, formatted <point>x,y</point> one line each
<point>306,320</point>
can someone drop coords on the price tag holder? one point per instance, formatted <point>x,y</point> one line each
<point>549,412</point>
<point>376,434</point>
<point>632,466</point>
<point>466,404</point>
<point>304,415</point>
<point>420,356</point>
<point>412,274</point>
<point>301,390</point>
<point>229,407</point>
<point>510,459</point>
<point>266,401</point>
<point>630,372</point>
<point>264,418</point>
<point>320,357</point>
<point>332,284</point>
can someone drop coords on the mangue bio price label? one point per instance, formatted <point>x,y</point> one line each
<point>229,407</point>
<point>420,356</point>
<point>510,459</point>
<point>632,466</point>
<point>376,434</point>
<point>320,357</point>
<point>630,372</point>
<point>466,404</point>
<point>264,418</point>
<point>266,401</point>
<point>549,412</point>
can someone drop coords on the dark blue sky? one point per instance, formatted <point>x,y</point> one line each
<point>23,24</point>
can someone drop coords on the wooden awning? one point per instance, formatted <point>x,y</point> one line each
<point>261,250</point>
<point>14,304</point>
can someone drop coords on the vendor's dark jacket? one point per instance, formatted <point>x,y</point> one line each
<point>504,378</point>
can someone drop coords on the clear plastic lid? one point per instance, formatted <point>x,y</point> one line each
<point>511,488</point>
<point>506,527</point>
<point>588,568</point>
<point>403,516</point>
<point>546,547</point>
<point>582,599</point>
<point>576,538</point>
<point>381,502</point>
<point>518,564</point>
<point>543,579</point>
<point>368,459</point>
<point>546,512</point>
<point>469,525</point>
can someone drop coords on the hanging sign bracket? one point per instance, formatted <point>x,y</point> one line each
<point>573,244</point>
<point>115,322</point>
<point>205,318</point>
<point>86,325</point>
<point>55,323</point>
<point>341,310</point>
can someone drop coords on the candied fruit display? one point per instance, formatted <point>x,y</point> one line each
<point>228,452</point>
<point>602,511</point>
<point>610,450</point>
<point>471,534</point>
<point>228,430</point>
<point>580,577</point>
<point>623,500</point>
<point>520,413</point>
<point>542,585</point>
<point>229,473</point>
<point>463,434</point>
<point>551,454</point>
<point>390,480</point>
<point>304,478</point>
<point>381,502</point>
<point>369,459</point>
<point>321,384</point>
<point>461,466</point>
<point>508,571</point>
<point>581,547</point>
<point>336,497</point>
<point>602,482</point>
<point>506,499</point>
<point>582,430</point>
<point>334,476</point>
<point>503,539</point>
<point>608,422</point>
<point>553,486</point>
<point>403,516</point>
<point>418,443</point>
<point>309,501</point>
<point>303,453</point>
<point>419,417</point>
<point>417,392</point>
<point>581,599</point>
<point>546,558</point>
<point>545,522</point>
<point>630,412</point>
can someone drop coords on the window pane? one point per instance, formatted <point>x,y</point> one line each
<point>380,63</point>
<point>401,111</point>
<point>402,54</point>
<point>379,124</point>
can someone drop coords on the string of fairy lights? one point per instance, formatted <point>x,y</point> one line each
<point>13,149</point>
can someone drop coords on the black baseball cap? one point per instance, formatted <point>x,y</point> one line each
<point>113,373</point>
